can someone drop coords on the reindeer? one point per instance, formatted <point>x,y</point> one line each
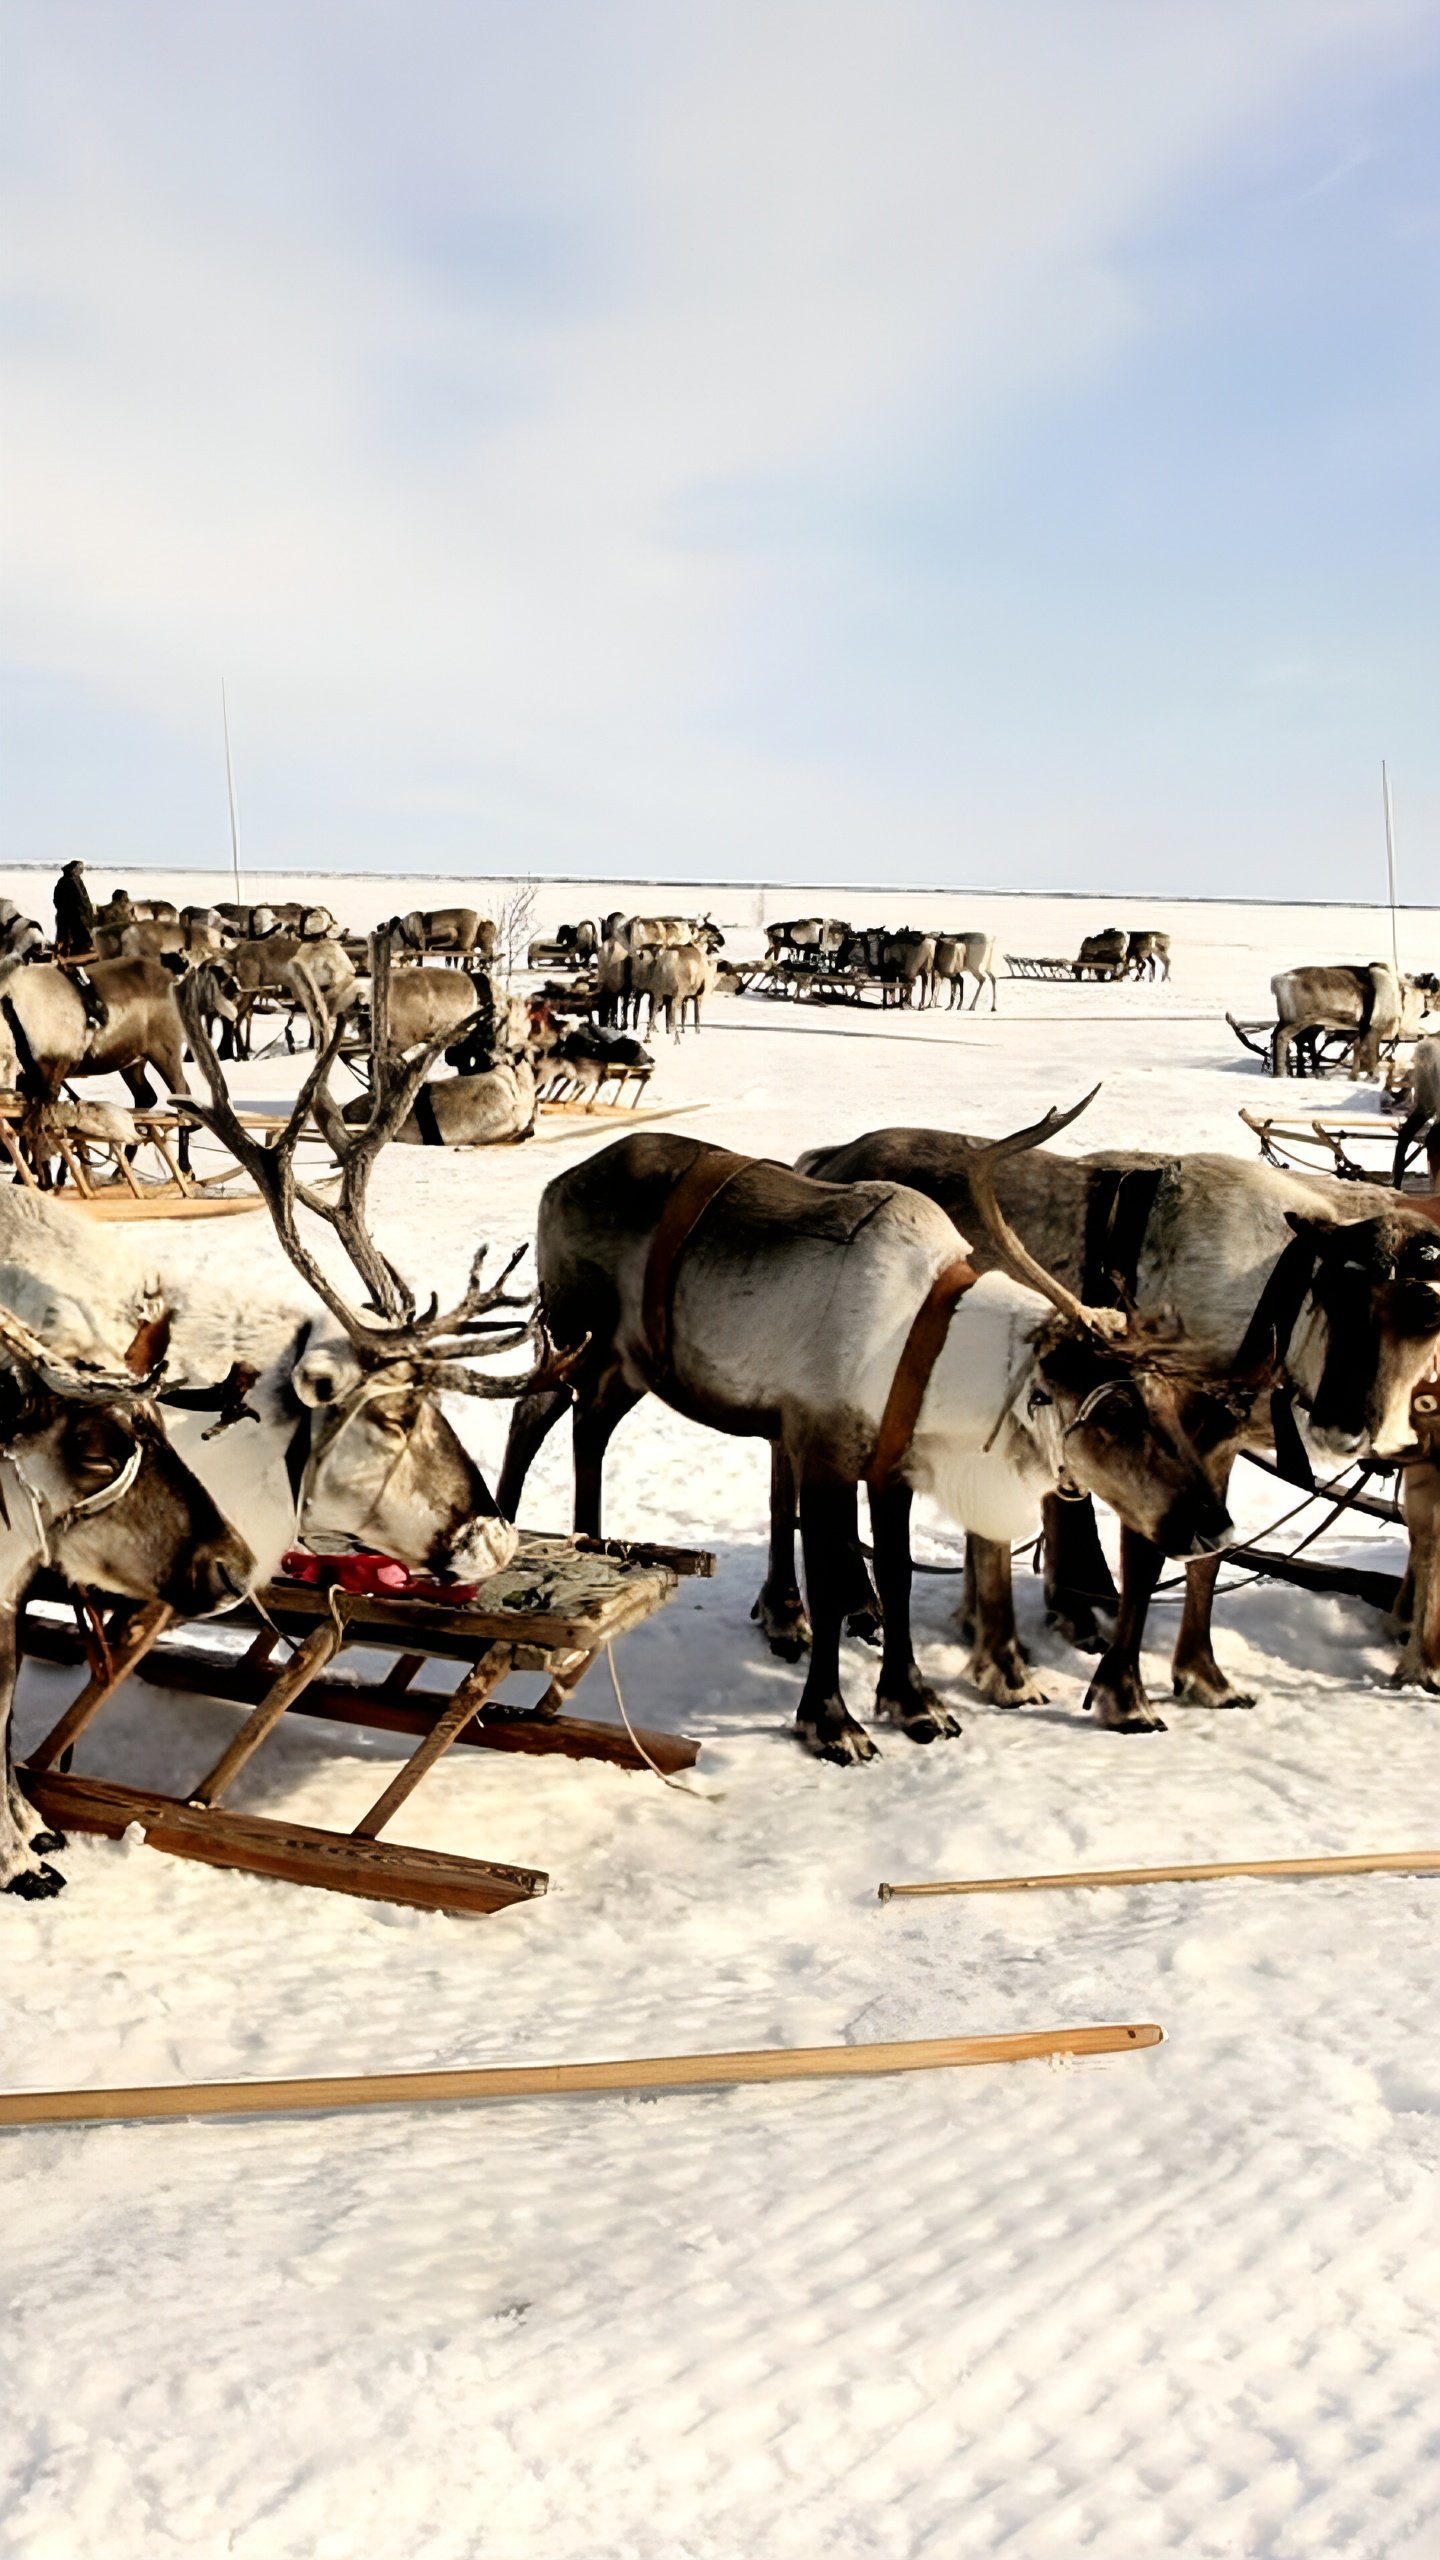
<point>90,1487</point>
<point>459,931</point>
<point>958,955</point>
<point>46,1035</point>
<point>263,970</point>
<point>806,933</point>
<point>435,1005</point>
<point>1147,955</point>
<point>353,1446</point>
<point>841,1325</point>
<point>677,976</point>
<point>614,982</point>
<point>1422,1117</point>
<point>1265,1272</point>
<point>1103,954</point>
<point>1370,1004</point>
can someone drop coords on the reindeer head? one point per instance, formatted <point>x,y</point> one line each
<point>1112,1403</point>
<point>105,1498</point>
<point>1360,1320</point>
<point>379,1465</point>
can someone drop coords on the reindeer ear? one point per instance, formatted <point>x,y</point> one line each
<point>327,1373</point>
<point>152,1341</point>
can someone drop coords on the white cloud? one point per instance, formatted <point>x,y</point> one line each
<point>398,362</point>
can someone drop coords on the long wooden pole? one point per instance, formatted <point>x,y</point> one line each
<point>230,788</point>
<point>1364,1862</point>
<point>559,2079</point>
<point>1390,860</point>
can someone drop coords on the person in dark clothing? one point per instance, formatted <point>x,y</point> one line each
<point>74,914</point>
<point>75,937</point>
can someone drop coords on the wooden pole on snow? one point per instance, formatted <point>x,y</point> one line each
<point>558,2079</point>
<point>1364,1862</point>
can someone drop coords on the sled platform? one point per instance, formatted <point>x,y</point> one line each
<point>553,1609</point>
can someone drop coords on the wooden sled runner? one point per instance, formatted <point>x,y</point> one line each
<point>552,1609</point>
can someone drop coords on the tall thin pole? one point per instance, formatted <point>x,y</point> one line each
<point>230,787</point>
<point>1390,860</point>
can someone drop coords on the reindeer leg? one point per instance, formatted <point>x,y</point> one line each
<point>1116,1695</point>
<point>533,1418</point>
<point>864,1616</point>
<point>823,1721</point>
<point>779,1610</point>
<point>1197,1675</point>
<point>901,1693</point>
<point>22,1871</point>
<point>997,1665</point>
<point>1078,1580</point>
<point>1419,1663</point>
<point>595,1419</point>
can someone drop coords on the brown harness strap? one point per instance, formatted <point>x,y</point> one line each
<point>702,1181</point>
<point>912,1375</point>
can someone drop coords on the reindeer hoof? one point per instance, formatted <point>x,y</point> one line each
<point>46,1844</point>
<point>920,1716</point>
<point>1415,1675</point>
<point>36,1884</point>
<point>1198,1689</point>
<point>1121,1706</point>
<point>784,1626</point>
<point>834,1735</point>
<point>1005,1679</point>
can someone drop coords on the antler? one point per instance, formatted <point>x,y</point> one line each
<point>434,1339</point>
<point>1015,1256</point>
<point>65,1377</point>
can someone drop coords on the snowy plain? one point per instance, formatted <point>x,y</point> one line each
<point>1177,2302</point>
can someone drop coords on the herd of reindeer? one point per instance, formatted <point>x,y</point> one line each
<point>1015,1330</point>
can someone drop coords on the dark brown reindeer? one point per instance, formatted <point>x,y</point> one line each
<point>842,1325</point>
<point>1338,1292</point>
<point>90,1487</point>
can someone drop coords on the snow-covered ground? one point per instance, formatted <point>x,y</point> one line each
<point>1177,2302</point>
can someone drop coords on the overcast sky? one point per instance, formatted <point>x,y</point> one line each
<point>979,442</point>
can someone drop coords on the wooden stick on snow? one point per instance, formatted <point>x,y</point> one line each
<point>1364,1862</point>
<point>559,2079</point>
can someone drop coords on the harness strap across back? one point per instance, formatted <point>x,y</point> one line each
<point>712,1171</point>
<point>913,1371</point>
<point>1117,1217</point>
<point>1267,1337</point>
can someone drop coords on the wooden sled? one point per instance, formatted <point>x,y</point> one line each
<point>553,1609</point>
<point>1334,1142</point>
<point>99,1178</point>
<point>1020,965</point>
<point>1327,1053</point>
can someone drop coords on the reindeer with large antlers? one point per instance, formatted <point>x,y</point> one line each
<point>842,1324</point>
<point>353,1449</point>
